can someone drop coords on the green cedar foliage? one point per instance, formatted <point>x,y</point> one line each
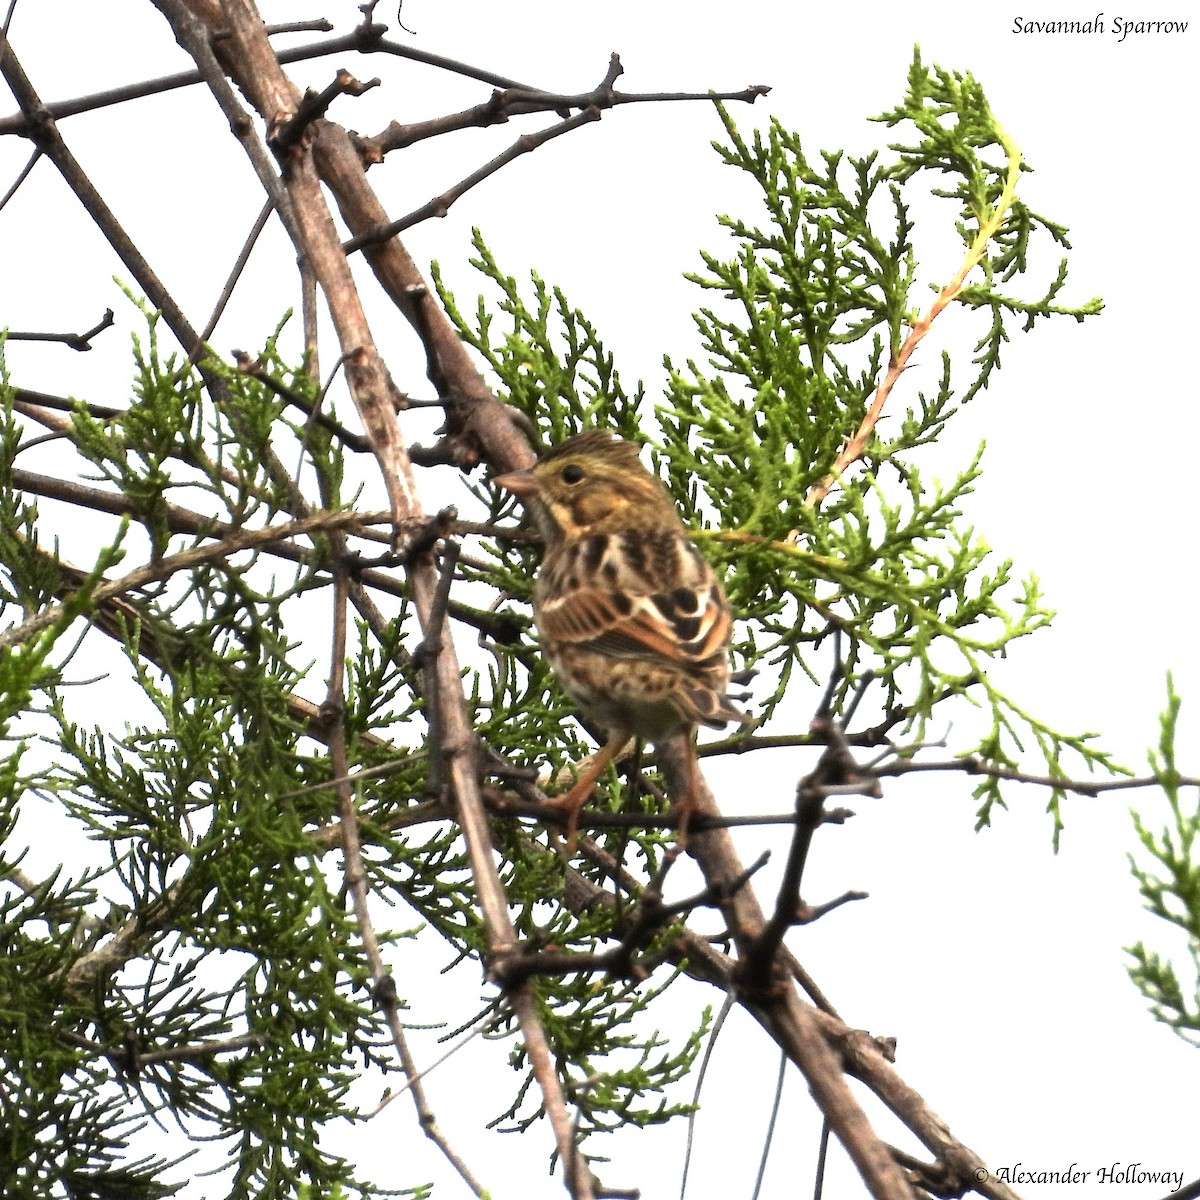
<point>214,908</point>
<point>1171,892</point>
<point>817,302</point>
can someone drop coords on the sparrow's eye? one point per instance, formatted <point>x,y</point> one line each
<point>572,473</point>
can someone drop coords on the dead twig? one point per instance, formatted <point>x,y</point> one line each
<point>313,107</point>
<point>439,205</point>
<point>76,341</point>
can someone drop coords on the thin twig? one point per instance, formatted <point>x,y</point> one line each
<point>498,1012</point>
<point>317,25</point>
<point>769,1135</point>
<point>806,914</point>
<point>553,100</point>
<point>130,1059</point>
<point>77,341</point>
<point>355,778</point>
<point>701,1075</point>
<point>822,1154</point>
<point>260,223</point>
<point>23,175</point>
<point>102,412</point>
<point>540,808</point>
<point>163,568</point>
<point>972,765</point>
<point>439,206</point>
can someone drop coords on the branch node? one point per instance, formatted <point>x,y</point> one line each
<point>288,132</point>
<point>76,341</point>
<point>416,537</point>
<point>384,991</point>
<point>806,914</point>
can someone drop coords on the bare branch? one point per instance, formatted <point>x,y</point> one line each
<point>836,772</point>
<point>439,206</point>
<point>427,653</point>
<point>77,341</point>
<point>129,1058</point>
<point>366,38</point>
<point>22,176</point>
<point>518,101</point>
<point>314,106</point>
<point>45,134</point>
<point>788,1020</point>
<point>502,626</point>
<point>164,568</point>
<point>973,765</point>
<point>260,223</point>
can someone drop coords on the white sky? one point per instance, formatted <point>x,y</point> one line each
<point>997,965</point>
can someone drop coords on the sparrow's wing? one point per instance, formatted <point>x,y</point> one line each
<point>686,626</point>
<point>657,603</point>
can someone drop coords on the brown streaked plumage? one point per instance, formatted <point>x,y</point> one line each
<point>633,621</point>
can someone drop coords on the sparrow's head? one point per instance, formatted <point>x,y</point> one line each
<point>592,483</point>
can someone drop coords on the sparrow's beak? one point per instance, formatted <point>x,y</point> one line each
<point>520,483</point>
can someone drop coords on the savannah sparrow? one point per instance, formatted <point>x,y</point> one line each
<point>632,620</point>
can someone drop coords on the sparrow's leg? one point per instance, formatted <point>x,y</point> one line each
<point>571,802</point>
